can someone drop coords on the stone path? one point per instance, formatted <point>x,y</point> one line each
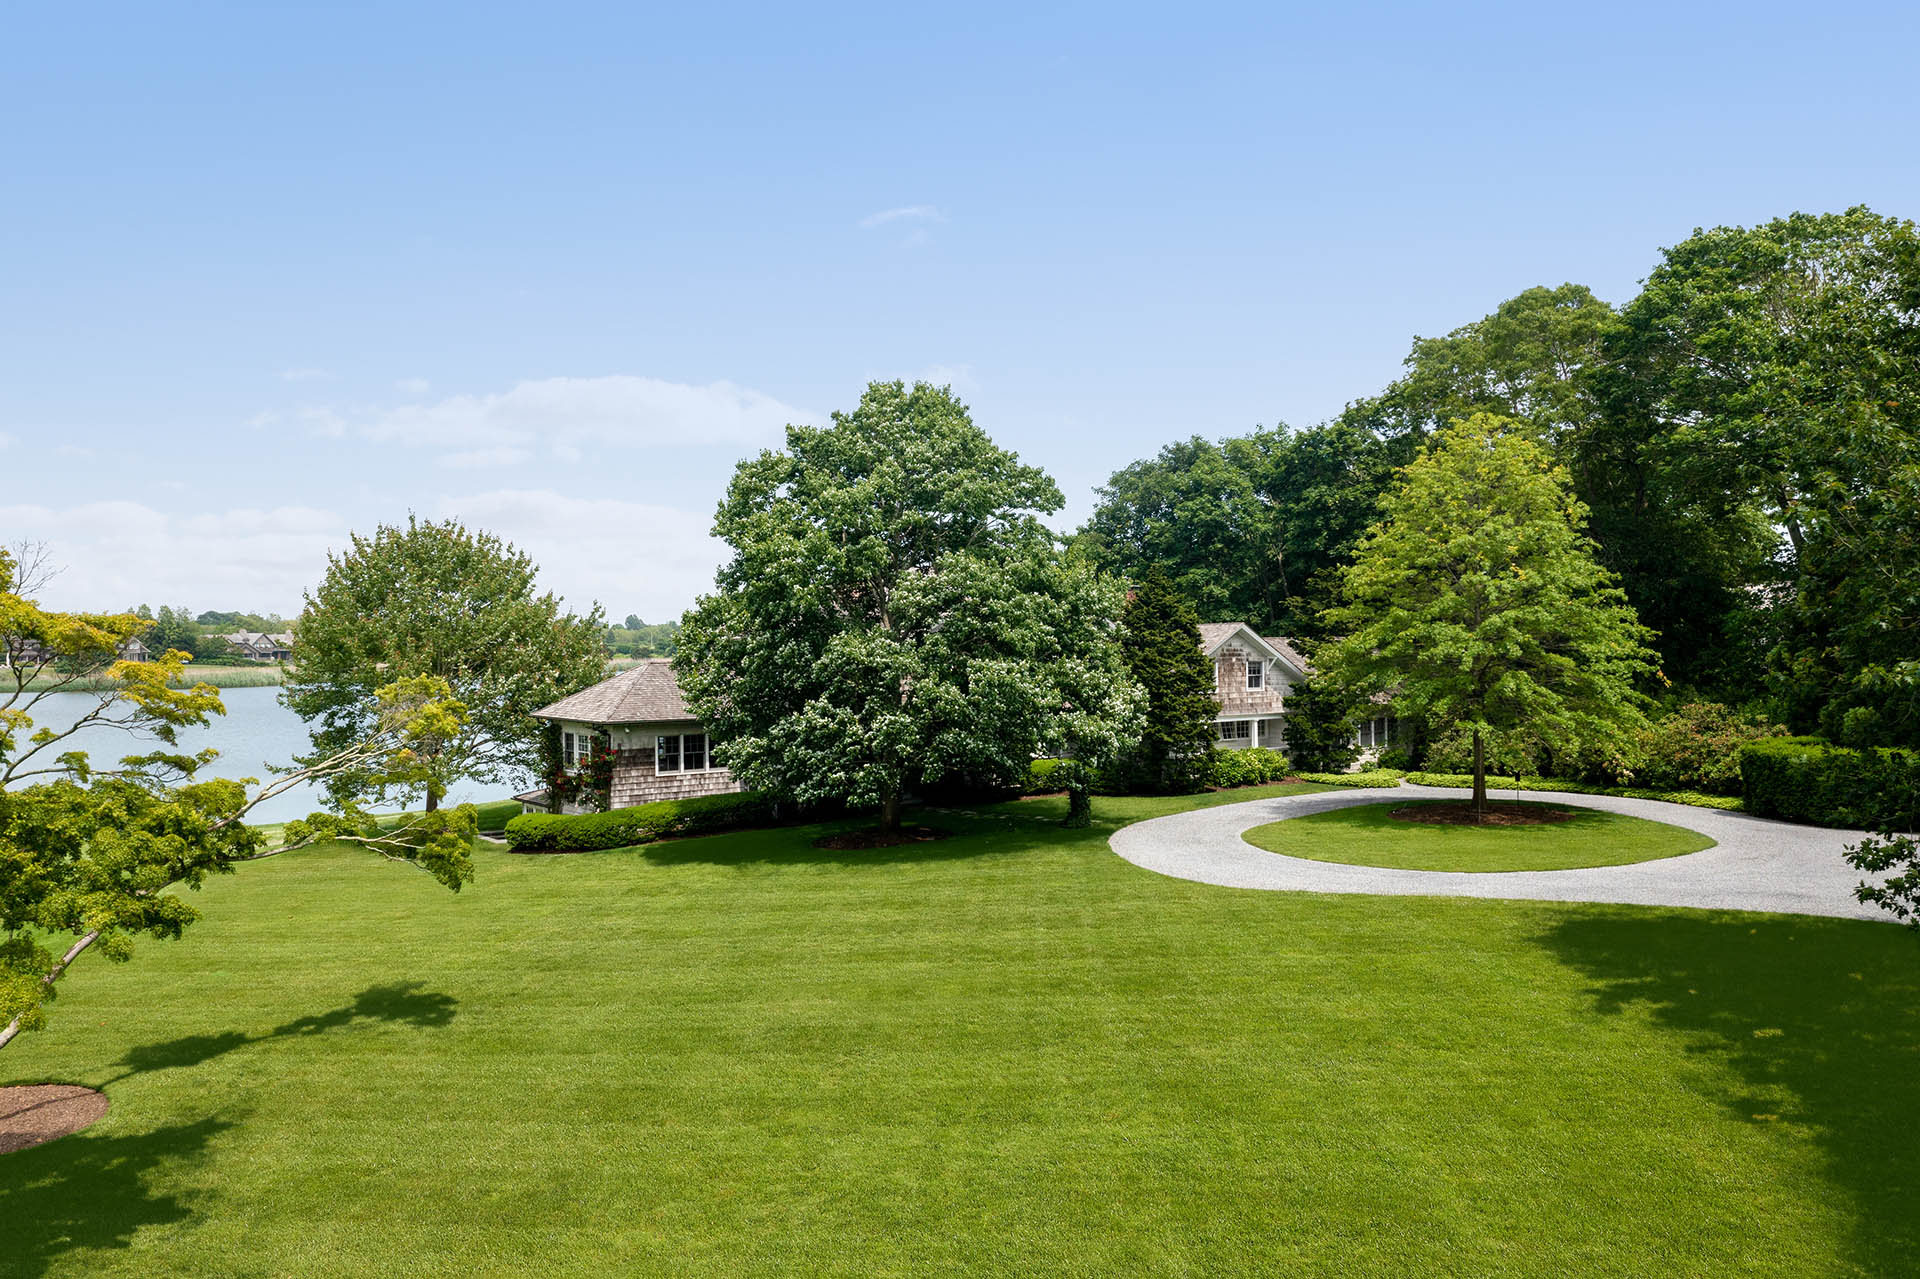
<point>1757,864</point>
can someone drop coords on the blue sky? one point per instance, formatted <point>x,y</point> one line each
<point>273,273</point>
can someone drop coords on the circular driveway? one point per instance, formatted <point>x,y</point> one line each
<point>1756,864</point>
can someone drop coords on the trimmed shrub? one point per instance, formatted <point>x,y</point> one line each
<point>1372,777</point>
<point>1250,767</point>
<point>1694,799</point>
<point>1808,780</point>
<point>1040,777</point>
<point>621,827</point>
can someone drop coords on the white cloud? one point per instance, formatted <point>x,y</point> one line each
<point>633,557</point>
<point>304,375</point>
<point>413,385</point>
<point>5,439</point>
<point>123,553</point>
<point>917,212</point>
<point>499,455</point>
<point>565,414</point>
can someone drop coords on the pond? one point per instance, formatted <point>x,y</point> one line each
<point>256,731</point>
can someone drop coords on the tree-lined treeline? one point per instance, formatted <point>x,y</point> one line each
<point>1745,433</point>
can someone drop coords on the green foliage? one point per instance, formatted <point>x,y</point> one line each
<point>1896,858</point>
<point>622,827</point>
<point>1249,528</point>
<point>1696,747</point>
<point>1776,371</point>
<point>1160,639</point>
<point>894,614</point>
<point>1476,602</point>
<point>1370,777</point>
<point>1823,785</point>
<point>1693,799</point>
<point>441,600</point>
<point>1321,717</point>
<point>1252,766</point>
<point>635,638</point>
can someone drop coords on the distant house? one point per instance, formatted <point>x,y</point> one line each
<point>18,650</point>
<point>661,750</point>
<point>259,646</point>
<point>1252,675</point>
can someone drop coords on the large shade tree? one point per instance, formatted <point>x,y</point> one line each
<point>92,852</point>
<point>894,613</point>
<point>439,599</point>
<point>1476,603</point>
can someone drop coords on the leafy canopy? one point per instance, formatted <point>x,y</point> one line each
<point>459,605</point>
<point>894,613</point>
<point>1476,602</point>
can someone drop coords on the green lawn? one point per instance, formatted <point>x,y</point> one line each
<point>1368,835</point>
<point>1008,1053</point>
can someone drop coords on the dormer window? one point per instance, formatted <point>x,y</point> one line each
<point>1256,673</point>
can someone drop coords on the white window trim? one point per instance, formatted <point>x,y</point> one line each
<point>680,754</point>
<point>1256,673</point>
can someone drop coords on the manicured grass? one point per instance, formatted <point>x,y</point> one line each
<point>1010,1053</point>
<point>1369,835</point>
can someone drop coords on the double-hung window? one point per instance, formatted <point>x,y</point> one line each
<point>1256,673</point>
<point>1235,729</point>
<point>680,753</point>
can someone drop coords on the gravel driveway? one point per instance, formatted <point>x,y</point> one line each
<point>1757,864</point>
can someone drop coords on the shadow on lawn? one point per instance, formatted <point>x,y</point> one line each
<point>90,1191</point>
<point>402,1002</point>
<point>793,846</point>
<point>1818,1020</point>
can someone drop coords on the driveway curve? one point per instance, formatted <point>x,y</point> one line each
<point>1756,863</point>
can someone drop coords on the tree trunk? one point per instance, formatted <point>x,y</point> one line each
<point>1079,807</point>
<point>1479,775</point>
<point>890,811</point>
<point>433,798</point>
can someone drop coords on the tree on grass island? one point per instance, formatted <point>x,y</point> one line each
<point>1476,603</point>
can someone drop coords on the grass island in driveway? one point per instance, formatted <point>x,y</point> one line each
<point>1376,835</point>
<point>1010,1052</point>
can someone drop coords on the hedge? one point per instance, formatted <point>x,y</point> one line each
<point>1372,777</point>
<point>1692,798</point>
<point>1808,780</point>
<point>550,832</point>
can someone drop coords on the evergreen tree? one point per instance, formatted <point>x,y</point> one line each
<point>1161,639</point>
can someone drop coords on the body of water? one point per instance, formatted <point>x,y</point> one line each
<point>255,732</point>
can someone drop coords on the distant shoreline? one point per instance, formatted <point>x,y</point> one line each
<point>214,674</point>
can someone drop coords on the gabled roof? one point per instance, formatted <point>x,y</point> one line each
<point>646,693</point>
<point>1214,634</point>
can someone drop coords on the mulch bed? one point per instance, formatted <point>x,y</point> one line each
<point>33,1113</point>
<point>1496,815</point>
<point>877,837</point>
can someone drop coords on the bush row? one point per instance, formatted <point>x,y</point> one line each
<point>1697,799</point>
<point>549,832</point>
<point>1371,777</point>
<point>1804,779</point>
